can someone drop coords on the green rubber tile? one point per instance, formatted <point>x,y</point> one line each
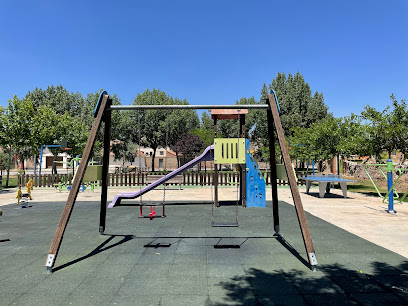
<point>148,299</point>
<point>224,270</point>
<point>358,284</point>
<point>223,256</point>
<point>316,285</point>
<point>240,299</point>
<point>190,259</point>
<point>397,284</point>
<point>280,300</point>
<point>149,271</point>
<point>19,284</point>
<point>95,286</point>
<point>187,300</point>
<point>188,269</point>
<point>89,298</point>
<point>136,286</point>
<point>41,299</point>
<point>7,298</point>
<point>228,286</point>
<point>276,284</point>
<point>57,284</point>
<point>258,259</point>
<point>378,299</point>
<point>114,271</point>
<point>119,259</point>
<point>187,286</point>
<point>330,299</point>
<point>155,258</point>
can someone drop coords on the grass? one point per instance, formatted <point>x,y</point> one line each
<point>12,181</point>
<point>365,186</point>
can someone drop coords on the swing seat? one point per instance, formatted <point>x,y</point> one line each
<point>152,214</point>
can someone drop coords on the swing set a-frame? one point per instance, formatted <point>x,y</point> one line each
<point>103,112</point>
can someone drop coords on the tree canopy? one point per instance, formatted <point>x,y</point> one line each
<point>160,127</point>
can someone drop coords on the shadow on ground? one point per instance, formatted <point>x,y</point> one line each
<point>332,285</point>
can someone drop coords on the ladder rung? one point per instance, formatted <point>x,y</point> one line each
<point>224,224</point>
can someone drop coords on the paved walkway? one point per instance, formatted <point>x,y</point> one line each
<point>174,261</point>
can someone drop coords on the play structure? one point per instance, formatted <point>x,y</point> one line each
<point>236,151</point>
<point>224,151</point>
<point>92,175</point>
<point>22,198</point>
<point>391,195</point>
<point>63,146</point>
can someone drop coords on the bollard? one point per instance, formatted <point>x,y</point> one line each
<point>390,191</point>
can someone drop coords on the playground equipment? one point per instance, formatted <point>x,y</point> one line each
<point>63,145</point>
<point>22,198</point>
<point>391,194</point>
<point>103,112</point>
<point>92,175</point>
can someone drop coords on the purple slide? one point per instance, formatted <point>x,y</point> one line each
<point>205,156</point>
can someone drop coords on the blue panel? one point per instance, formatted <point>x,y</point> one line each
<point>255,183</point>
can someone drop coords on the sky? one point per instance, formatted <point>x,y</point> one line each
<point>209,52</point>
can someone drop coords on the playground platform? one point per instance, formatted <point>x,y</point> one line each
<point>172,261</point>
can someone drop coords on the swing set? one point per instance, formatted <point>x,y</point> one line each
<point>250,190</point>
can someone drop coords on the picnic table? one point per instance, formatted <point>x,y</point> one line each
<point>325,182</point>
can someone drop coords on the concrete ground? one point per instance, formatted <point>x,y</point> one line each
<point>182,260</point>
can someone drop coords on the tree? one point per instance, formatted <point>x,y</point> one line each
<point>189,145</point>
<point>328,138</point>
<point>153,122</point>
<point>298,107</point>
<point>180,122</point>
<point>387,129</point>
<point>15,133</point>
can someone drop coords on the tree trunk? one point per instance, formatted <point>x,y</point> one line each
<point>178,159</point>
<point>7,178</point>
<point>153,158</point>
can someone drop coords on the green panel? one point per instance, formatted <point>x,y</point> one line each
<point>281,173</point>
<point>93,173</point>
<point>229,151</point>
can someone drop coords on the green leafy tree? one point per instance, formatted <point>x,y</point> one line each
<point>58,99</point>
<point>15,133</point>
<point>328,138</point>
<point>387,129</point>
<point>180,122</point>
<point>299,108</point>
<point>206,130</point>
<point>152,122</point>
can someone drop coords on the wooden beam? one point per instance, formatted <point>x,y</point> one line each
<point>66,214</point>
<point>292,183</point>
<point>272,162</point>
<point>105,167</point>
<point>228,113</point>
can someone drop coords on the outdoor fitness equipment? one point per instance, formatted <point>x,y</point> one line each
<point>103,112</point>
<point>391,194</point>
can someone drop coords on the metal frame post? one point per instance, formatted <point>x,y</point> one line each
<point>390,189</point>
